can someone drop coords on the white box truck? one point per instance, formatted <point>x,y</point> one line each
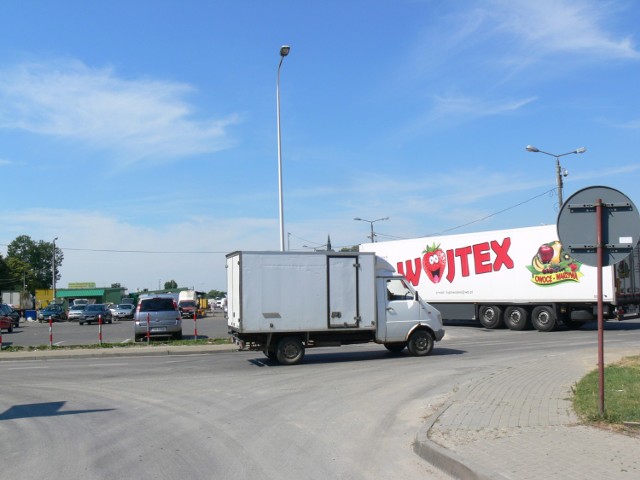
<point>284,302</point>
<point>515,277</point>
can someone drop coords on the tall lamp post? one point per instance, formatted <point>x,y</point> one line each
<point>53,263</point>
<point>371,222</point>
<point>559,172</point>
<point>284,51</point>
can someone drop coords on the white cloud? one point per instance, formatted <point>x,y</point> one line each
<point>135,119</point>
<point>560,26</point>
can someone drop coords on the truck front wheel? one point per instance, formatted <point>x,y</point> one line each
<point>395,347</point>
<point>543,319</point>
<point>290,351</point>
<point>490,316</point>
<point>420,343</point>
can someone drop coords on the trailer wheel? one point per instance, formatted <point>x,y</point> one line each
<point>490,316</point>
<point>420,343</point>
<point>289,351</point>
<point>516,318</point>
<point>543,319</point>
<point>395,347</point>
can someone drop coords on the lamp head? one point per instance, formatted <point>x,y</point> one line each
<point>357,218</point>
<point>531,148</point>
<point>284,50</point>
<point>580,150</point>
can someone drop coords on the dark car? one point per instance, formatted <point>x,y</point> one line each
<point>53,311</point>
<point>15,316</point>
<point>94,312</point>
<point>6,322</point>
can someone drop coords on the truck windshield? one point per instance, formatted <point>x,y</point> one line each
<point>397,289</point>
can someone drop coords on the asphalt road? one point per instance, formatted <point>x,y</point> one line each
<point>344,413</point>
<point>70,333</point>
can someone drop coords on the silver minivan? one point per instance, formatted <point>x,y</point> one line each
<point>157,316</point>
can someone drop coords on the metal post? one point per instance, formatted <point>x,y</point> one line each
<point>559,182</point>
<point>599,246</point>
<point>284,51</point>
<point>54,270</point>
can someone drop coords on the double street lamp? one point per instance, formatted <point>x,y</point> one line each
<point>559,171</point>
<point>284,51</point>
<point>371,222</point>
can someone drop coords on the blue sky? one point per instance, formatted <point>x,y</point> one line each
<point>143,134</point>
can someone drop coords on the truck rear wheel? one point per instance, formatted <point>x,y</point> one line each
<point>420,343</point>
<point>289,351</point>
<point>543,319</point>
<point>516,318</point>
<point>490,316</point>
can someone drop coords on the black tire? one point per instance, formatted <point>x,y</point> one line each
<point>177,336</point>
<point>270,354</point>
<point>420,343</point>
<point>289,351</point>
<point>395,347</point>
<point>543,318</point>
<point>10,329</point>
<point>80,323</point>
<point>490,316</point>
<point>516,318</point>
<point>138,338</point>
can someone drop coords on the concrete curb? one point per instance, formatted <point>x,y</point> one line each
<point>117,352</point>
<point>446,460</point>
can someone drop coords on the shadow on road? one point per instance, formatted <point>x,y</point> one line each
<point>49,409</point>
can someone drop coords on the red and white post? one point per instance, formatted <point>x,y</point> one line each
<point>148,327</point>
<point>195,324</point>
<point>50,332</point>
<point>100,329</point>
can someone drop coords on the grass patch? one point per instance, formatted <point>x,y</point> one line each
<point>153,343</point>
<point>621,394</point>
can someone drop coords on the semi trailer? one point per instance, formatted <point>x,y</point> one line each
<point>516,278</point>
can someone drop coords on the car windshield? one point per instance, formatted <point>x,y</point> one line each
<point>77,308</point>
<point>188,303</point>
<point>125,306</point>
<point>93,308</point>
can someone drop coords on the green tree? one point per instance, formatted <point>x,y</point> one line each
<point>35,261</point>
<point>170,285</point>
<point>7,279</point>
<point>355,248</point>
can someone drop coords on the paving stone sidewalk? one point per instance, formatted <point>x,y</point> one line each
<point>518,423</point>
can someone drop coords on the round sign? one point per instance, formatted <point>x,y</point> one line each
<point>578,225</point>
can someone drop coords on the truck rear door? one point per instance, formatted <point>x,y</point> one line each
<point>343,302</point>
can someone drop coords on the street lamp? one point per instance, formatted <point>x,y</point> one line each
<point>54,269</point>
<point>284,51</point>
<point>559,172</point>
<point>373,238</point>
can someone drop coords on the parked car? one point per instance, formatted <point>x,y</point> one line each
<point>159,315</point>
<point>124,310</point>
<point>92,314</point>
<point>55,311</point>
<point>14,314</point>
<point>75,311</point>
<point>6,322</point>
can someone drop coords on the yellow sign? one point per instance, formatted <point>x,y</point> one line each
<point>82,285</point>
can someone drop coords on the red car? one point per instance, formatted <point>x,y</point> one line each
<point>6,322</point>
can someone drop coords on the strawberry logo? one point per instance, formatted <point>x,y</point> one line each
<point>433,262</point>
